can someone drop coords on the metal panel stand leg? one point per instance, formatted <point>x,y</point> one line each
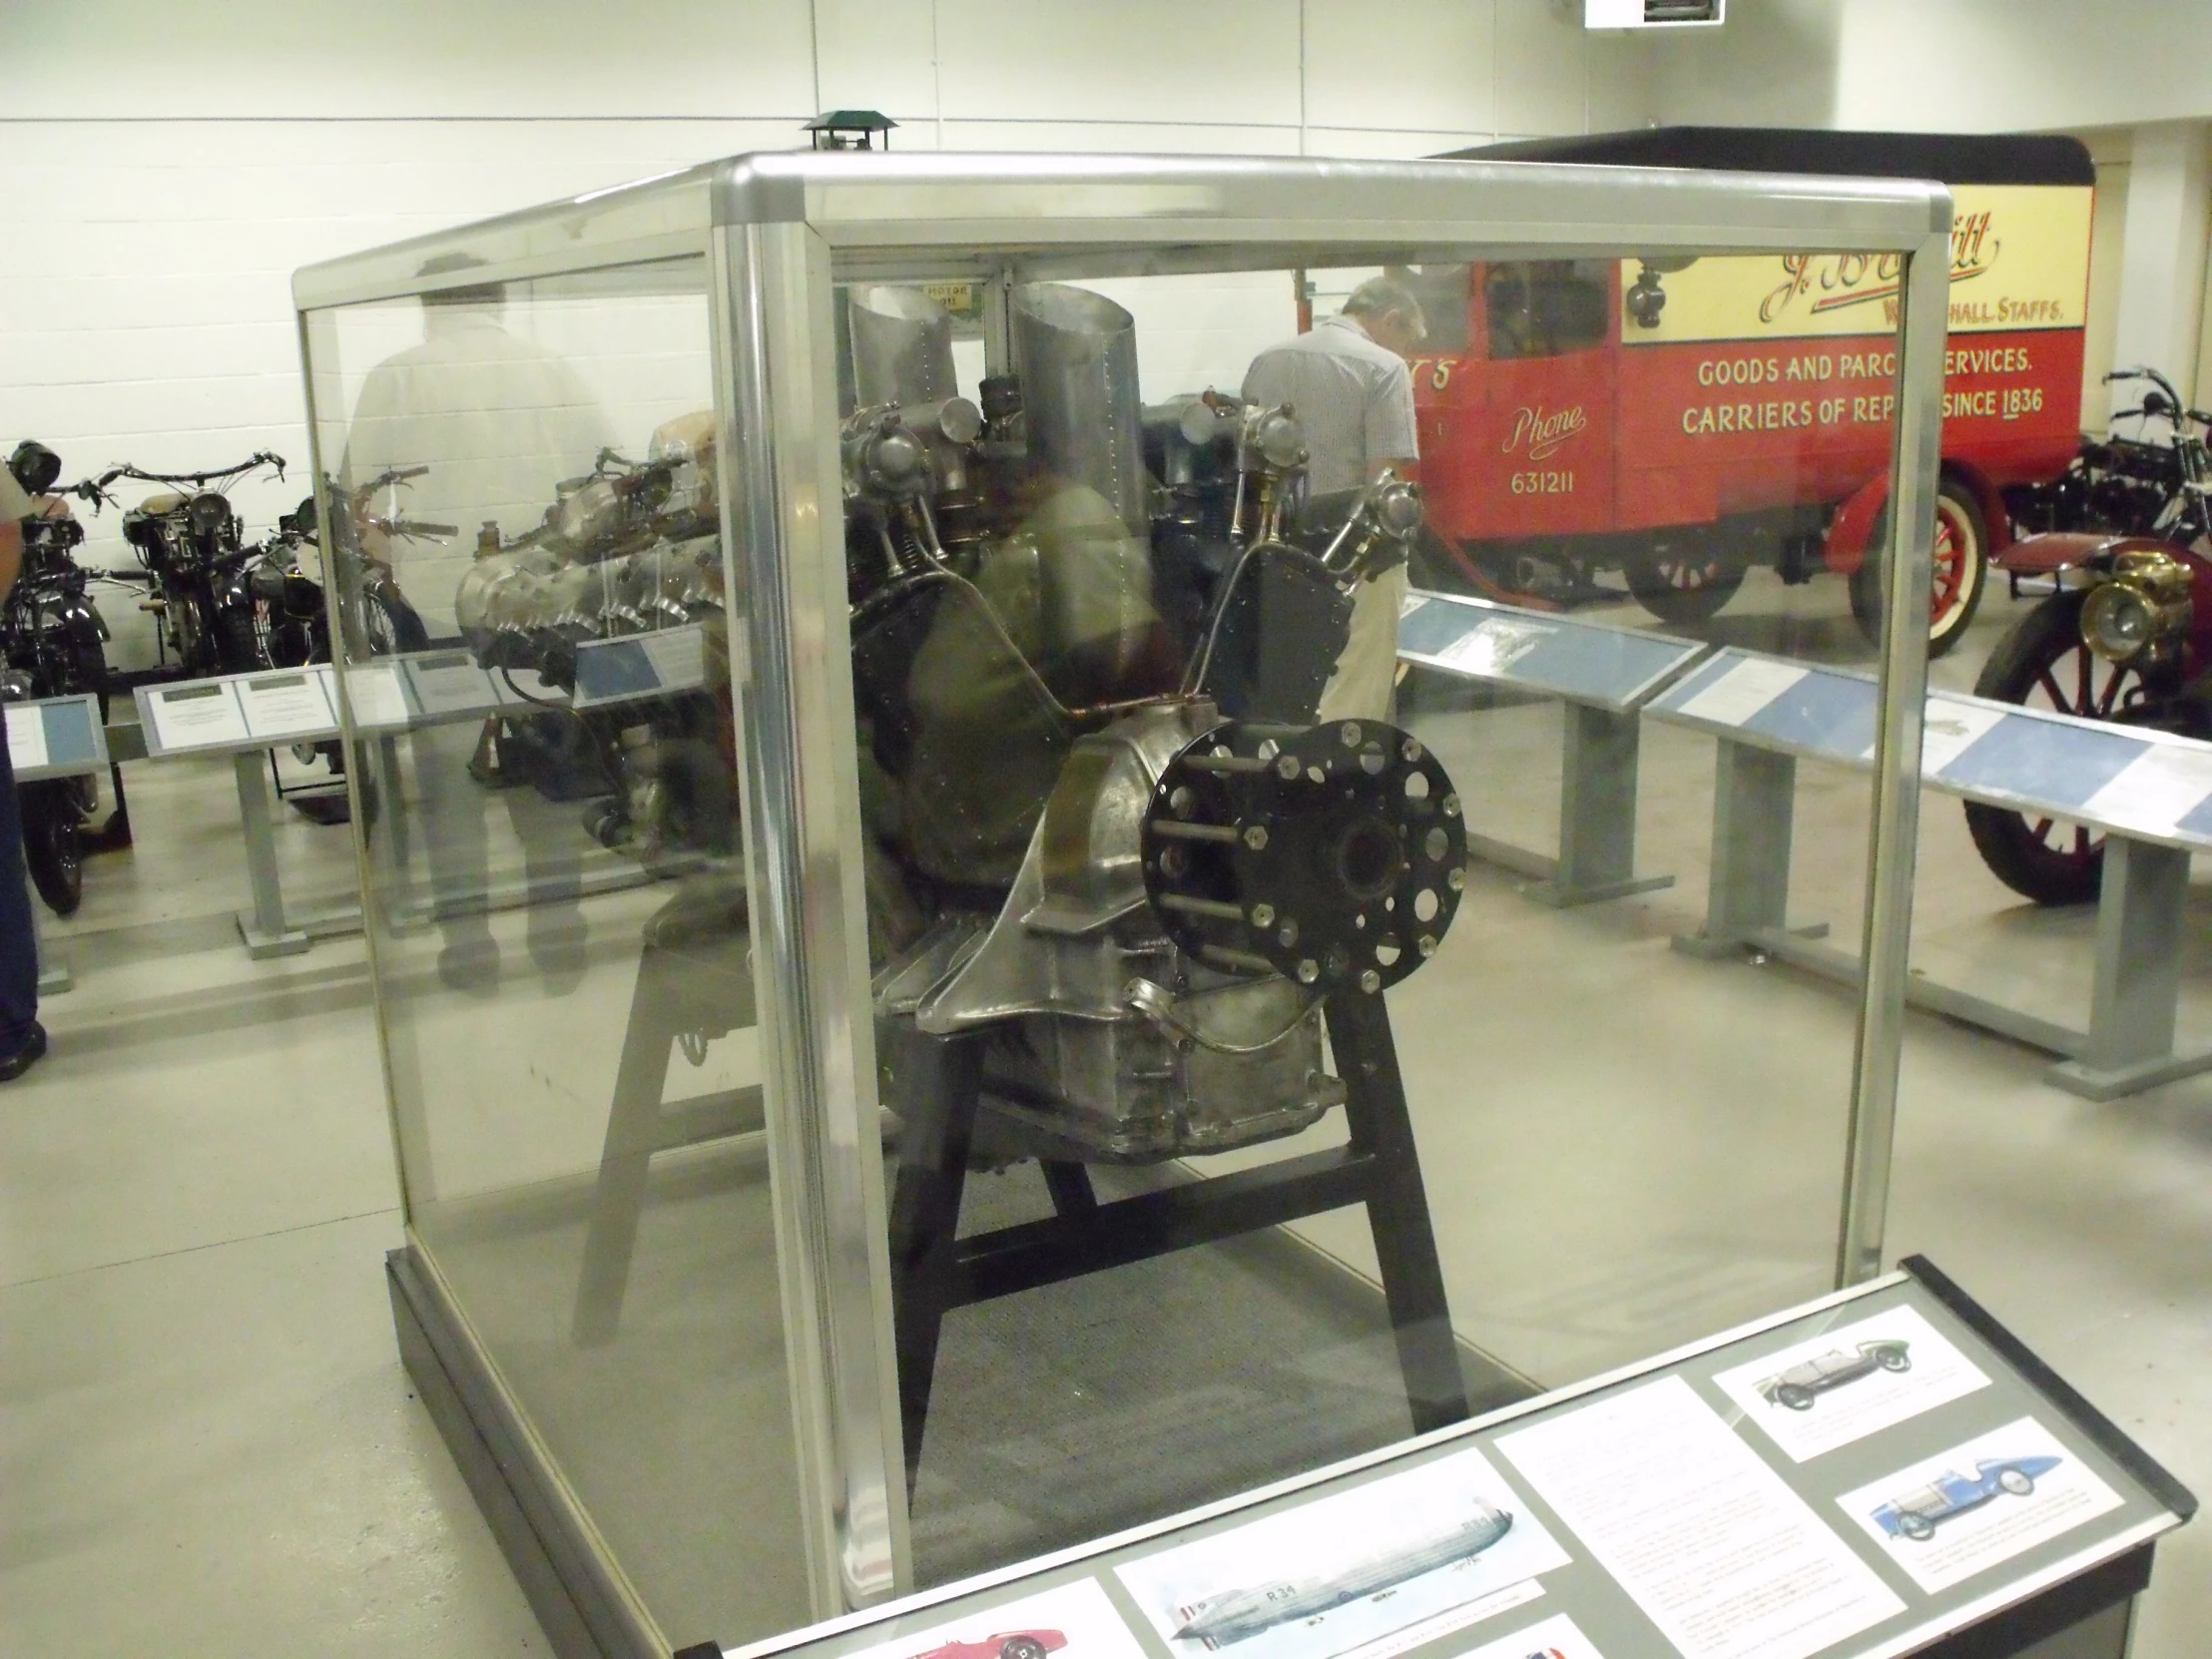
<point>52,976</point>
<point>1754,803</point>
<point>1597,812</point>
<point>1398,1211</point>
<point>2139,977</point>
<point>265,932</point>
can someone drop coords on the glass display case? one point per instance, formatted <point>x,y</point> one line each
<point>939,997</point>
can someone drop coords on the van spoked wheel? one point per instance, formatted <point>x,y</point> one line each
<point>1960,569</point>
<point>2044,664</point>
<point>1683,584</point>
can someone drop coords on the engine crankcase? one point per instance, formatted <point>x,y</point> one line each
<point>1081,1062</point>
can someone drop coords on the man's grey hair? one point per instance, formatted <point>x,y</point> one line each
<point>1381,295</point>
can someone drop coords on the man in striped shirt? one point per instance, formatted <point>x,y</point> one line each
<point>1347,384</point>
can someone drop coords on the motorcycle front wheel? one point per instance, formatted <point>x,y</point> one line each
<point>2044,664</point>
<point>53,822</point>
<point>393,626</point>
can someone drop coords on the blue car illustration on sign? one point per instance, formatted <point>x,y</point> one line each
<point>1915,1515</point>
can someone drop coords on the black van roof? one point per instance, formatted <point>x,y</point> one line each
<point>1952,158</point>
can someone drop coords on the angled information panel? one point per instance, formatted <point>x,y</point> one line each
<point>1866,1476</point>
<point>1587,661</point>
<point>56,737</point>
<point>635,666</point>
<point>239,712</point>
<point>2152,785</point>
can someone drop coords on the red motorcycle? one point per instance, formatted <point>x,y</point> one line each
<point>2126,635</point>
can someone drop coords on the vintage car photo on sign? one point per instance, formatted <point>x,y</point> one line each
<point>1069,1621</point>
<point>1915,1514</point>
<point>1012,1644</point>
<point>1798,1387</point>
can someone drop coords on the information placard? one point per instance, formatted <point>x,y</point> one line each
<point>1706,1539</point>
<point>200,714</point>
<point>1741,691</point>
<point>290,705</point>
<point>379,695</point>
<point>447,683</point>
<point>26,737</point>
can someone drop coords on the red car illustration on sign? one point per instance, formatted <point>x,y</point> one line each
<point>1011,1644</point>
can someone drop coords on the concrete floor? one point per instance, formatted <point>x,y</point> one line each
<point>211,1448</point>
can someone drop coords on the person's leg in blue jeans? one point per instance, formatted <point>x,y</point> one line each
<point>22,1038</point>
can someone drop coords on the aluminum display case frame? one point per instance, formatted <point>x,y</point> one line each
<point>778,230</point>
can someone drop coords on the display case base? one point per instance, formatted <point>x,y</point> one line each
<point>580,1604</point>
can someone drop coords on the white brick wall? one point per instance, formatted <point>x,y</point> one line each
<point>168,165</point>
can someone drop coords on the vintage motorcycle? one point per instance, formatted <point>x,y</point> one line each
<point>631,548</point>
<point>53,640</point>
<point>292,600</point>
<point>2127,634</point>
<point>191,544</point>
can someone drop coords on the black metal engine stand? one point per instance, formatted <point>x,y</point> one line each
<point>934,1271</point>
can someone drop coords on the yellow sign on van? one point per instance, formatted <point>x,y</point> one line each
<point>2020,258</point>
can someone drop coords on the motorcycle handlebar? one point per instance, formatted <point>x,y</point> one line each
<point>261,457</point>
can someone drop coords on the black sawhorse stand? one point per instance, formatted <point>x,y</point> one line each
<point>695,979</point>
<point>934,1271</point>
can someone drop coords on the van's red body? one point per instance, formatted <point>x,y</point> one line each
<point>1596,412</point>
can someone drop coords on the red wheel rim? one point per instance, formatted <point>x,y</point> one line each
<point>1953,565</point>
<point>1688,575</point>
<point>2079,682</point>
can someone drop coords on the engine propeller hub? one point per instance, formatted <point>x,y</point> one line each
<point>1332,854</point>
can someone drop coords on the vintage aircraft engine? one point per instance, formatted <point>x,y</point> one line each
<point>1137,907</point>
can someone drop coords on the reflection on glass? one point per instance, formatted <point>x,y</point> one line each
<point>547,764</point>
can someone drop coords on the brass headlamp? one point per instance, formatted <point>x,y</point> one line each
<point>2143,612</point>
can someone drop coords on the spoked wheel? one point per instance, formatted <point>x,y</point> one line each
<point>52,824</point>
<point>2044,664</point>
<point>1961,569</point>
<point>196,653</point>
<point>1683,585</point>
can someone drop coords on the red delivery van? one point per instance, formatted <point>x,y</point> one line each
<point>1681,421</point>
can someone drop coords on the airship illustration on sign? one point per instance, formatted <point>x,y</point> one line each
<point>1235,1614</point>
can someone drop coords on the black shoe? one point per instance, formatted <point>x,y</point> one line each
<point>470,966</point>
<point>27,1052</point>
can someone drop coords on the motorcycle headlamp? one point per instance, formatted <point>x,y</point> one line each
<point>1398,508</point>
<point>1277,438</point>
<point>2142,612</point>
<point>210,512</point>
